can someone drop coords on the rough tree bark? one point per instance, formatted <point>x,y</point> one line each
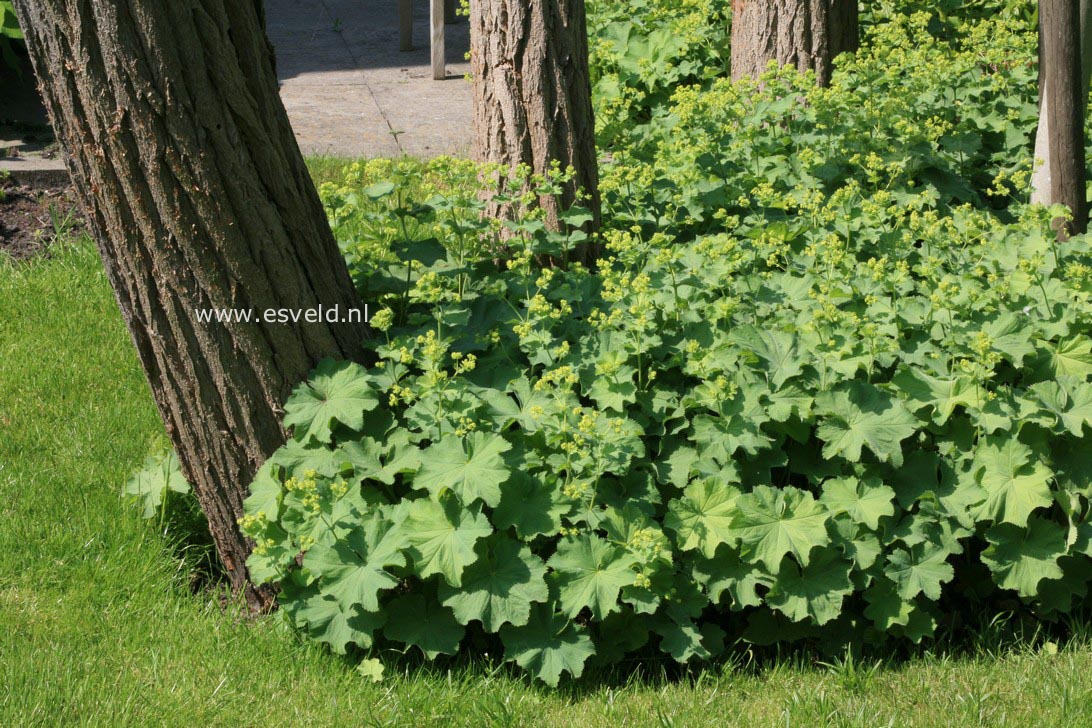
<point>1043,190</point>
<point>532,94</point>
<point>807,34</point>
<point>844,27</point>
<point>198,197</point>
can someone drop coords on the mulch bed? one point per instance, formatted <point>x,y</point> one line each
<point>27,225</point>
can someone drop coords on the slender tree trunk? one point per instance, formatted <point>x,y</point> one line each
<point>844,27</point>
<point>1042,189</point>
<point>198,197</point>
<point>532,94</point>
<point>807,34</point>
<point>1063,98</point>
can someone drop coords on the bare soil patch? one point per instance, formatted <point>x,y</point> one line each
<point>31,218</point>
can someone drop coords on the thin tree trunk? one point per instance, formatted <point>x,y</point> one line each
<point>807,34</point>
<point>198,197</point>
<point>1041,177</point>
<point>532,95</point>
<point>1063,93</point>
<point>844,26</point>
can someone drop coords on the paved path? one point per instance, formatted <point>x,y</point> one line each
<point>350,92</point>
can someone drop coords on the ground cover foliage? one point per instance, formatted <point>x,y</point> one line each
<point>830,382</point>
<point>100,622</point>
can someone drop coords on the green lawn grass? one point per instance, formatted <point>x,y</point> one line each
<point>325,168</point>
<point>98,625</point>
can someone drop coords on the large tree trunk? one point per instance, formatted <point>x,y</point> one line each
<point>807,34</point>
<point>532,94</point>
<point>198,197</point>
<point>1043,189</point>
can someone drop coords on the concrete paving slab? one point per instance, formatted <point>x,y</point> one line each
<point>349,91</point>
<point>34,171</point>
<point>351,77</point>
<point>341,121</point>
<point>423,115</point>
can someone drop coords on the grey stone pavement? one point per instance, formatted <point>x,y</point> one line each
<point>350,92</point>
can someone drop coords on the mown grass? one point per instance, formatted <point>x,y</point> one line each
<point>98,624</point>
<point>326,168</point>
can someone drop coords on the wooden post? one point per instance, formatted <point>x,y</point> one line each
<point>1064,97</point>
<point>405,25</point>
<point>436,26</point>
<point>449,12</point>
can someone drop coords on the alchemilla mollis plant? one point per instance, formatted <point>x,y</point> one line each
<point>832,381</point>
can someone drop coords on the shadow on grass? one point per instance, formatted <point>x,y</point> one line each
<point>176,517</point>
<point>854,669</point>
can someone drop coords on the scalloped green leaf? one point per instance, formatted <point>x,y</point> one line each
<point>442,537</point>
<point>472,467</point>
<point>266,493</point>
<point>1022,557</point>
<point>424,623</point>
<point>548,645</point>
<point>371,669</point>
<point>886,607</point>
<point>372,460</point>
<point>337,391</point>
<point>775,350</point>
<point>325,621</point>
<point>1015,481</point>
<point>158,476</point>
<point>353,569</point>
<point>815,591</point>
<point>943,395</point>
<point>726,572</point>
<point>864,500</point>
<point>1071,357</point>
<point>530,506</point>
<point>590,574</point>
<point>922,569</point>
<point>737,427</point>
<point>702,517</point>
<point>1069,401</point>
<point>773,522</point>
<point>860,415</point>
<point>686,640</point>
<point>500,587</point>
<point>921,624</point>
